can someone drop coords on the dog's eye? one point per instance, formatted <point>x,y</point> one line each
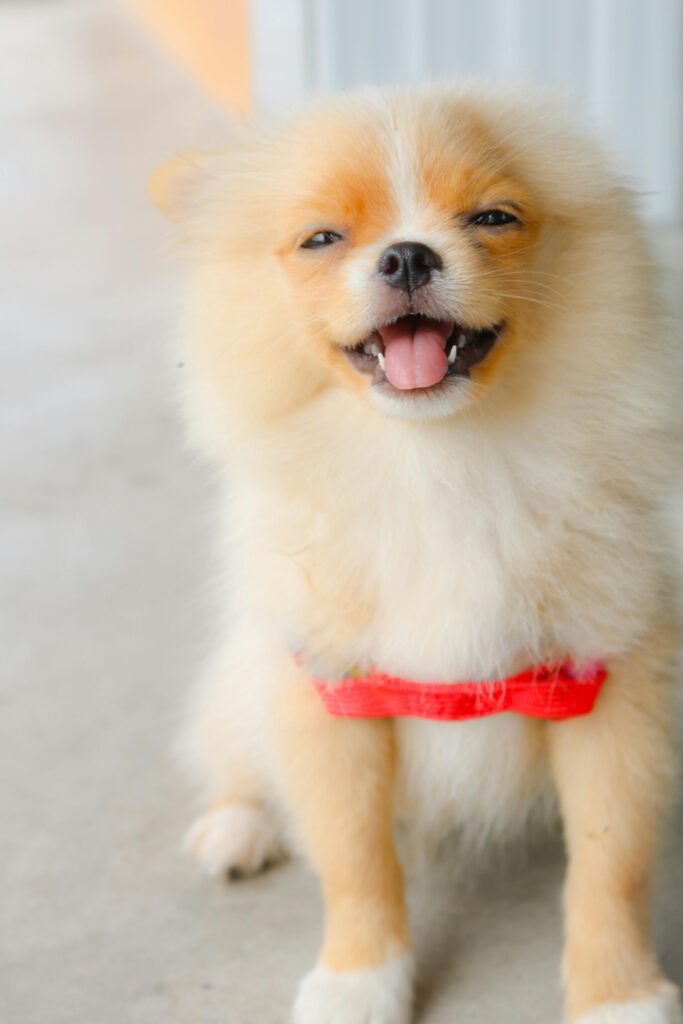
<point>321,238</point>
<point>494,219</point>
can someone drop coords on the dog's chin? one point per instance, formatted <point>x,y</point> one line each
<point>464,348</point>
<point>443,400</point>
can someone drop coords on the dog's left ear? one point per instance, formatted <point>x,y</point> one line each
<point>176,186</point>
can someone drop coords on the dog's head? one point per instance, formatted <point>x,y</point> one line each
<point>393,245</point>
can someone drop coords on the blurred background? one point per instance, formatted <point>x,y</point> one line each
<point>105,539</point>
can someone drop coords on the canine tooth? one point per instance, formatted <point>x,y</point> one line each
<point>462,340</point>
<point>380,359</point>
<point>372,349</point>
<point>453,354</point>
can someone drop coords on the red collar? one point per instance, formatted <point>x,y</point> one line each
<point>557,691</point>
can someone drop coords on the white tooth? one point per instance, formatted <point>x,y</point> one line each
<point>453,354</point>
<point>373,349</point>
<point>462,340</point>
<point>380,359</point>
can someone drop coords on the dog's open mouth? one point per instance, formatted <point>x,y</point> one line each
<point>418,353</point>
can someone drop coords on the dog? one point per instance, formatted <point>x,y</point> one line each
<point>424,348</point>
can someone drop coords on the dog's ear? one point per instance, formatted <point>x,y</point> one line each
<point>201,191</point>
<point>176,185</point>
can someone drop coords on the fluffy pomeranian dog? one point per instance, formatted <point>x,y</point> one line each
<point>424,346</point>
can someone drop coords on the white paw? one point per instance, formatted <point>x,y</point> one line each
<point>236,839</point>
<point>383,995</point>
<point>662,1009</point>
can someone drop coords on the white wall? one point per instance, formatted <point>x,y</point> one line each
<point>622,60</point>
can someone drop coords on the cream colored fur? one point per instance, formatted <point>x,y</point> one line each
<point>662,1009</point>
<point>234,839</point>
<point>381,995</point>
<point>464,537</point>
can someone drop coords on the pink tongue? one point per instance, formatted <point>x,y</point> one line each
<point>415,357</point>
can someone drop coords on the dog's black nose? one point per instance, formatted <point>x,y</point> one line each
<point>407,265</point>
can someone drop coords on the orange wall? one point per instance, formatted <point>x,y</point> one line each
<point>210,38</point>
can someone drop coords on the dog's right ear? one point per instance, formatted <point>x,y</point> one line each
<point>177,184</point>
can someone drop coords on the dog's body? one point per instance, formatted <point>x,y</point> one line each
<point>442,524</point>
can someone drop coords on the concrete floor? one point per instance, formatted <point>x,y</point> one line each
<point>105,557</point>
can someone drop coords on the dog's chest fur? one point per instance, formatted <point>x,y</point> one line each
<point>460,555</point>
<point>452,561</point>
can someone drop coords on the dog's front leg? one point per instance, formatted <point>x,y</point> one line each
<point>614,770</point>
<point>338,776</point>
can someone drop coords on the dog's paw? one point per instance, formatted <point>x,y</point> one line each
<point>382,995</point>
<point>664,1008</point>
<point>233,840</point>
